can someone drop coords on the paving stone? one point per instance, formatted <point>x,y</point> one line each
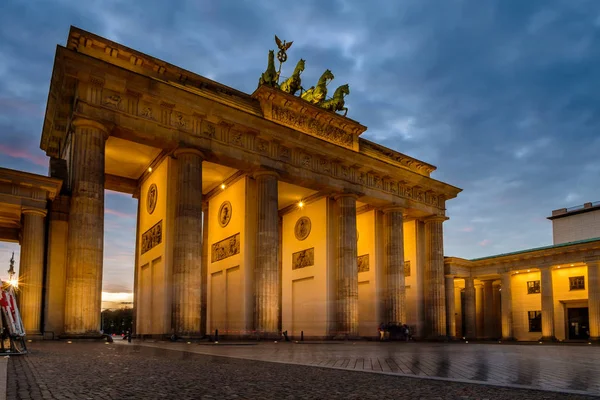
<point>117,371</point>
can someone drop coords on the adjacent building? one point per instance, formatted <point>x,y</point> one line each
<point>546,293</point>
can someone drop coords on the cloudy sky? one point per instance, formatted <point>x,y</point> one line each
<point>502,96</point>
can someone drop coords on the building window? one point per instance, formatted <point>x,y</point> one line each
<point>576,283</point>
<point>533,287</point>
<point>535,321</point>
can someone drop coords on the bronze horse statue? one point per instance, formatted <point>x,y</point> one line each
<point>293,83</point>
<point>336,103</point>
<point>317,94</point>
<point>270,76</point>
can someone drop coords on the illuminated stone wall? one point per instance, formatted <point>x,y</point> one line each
<point>564,298</point>
<point>229,281</point>
<point>369,281</point>
<point>153,275</point>
<point>306,289</point>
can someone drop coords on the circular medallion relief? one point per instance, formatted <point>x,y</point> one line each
<point>224,214</point>
<point>302,228</point>
<point>151,198</point>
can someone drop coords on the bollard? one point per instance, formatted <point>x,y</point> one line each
<point>301,336</point>
<point>286,336</point>
<point>216,335</point>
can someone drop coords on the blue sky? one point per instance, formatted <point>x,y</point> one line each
<point>502,96</point>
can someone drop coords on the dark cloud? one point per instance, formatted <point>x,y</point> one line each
<point>500,95</point>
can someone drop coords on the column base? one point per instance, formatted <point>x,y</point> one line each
<point>508,339</point>
<point>345,336</point>
<point>85,336</point>
<point>594,340</point>
<point>268,336</point>
<point>437,338</point>
<point>548,339</point>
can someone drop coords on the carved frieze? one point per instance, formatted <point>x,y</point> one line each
<point>305,123</point>
<point>152,237</point>
<point>209,129</point>
<point>284,153</point>
<point>303,258</point>
<point>225,248</point>
<point>237,138</point>
<point>113,101</point>
<point>363,263</point>
<point>262,146</point>
<point>179,121</point>
<point>171,115</point>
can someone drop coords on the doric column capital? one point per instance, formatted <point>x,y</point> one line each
<point>188,150</point>
<point>34,211</point>
<point>90,123</point>
<point>265,172</point>
<point>393,208</point>
<point>435,218</point>
<point>450,276</point>
<point>346,194</point>
<point>591,263</point>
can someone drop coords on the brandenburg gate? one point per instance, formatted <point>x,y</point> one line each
<point>257,213</point>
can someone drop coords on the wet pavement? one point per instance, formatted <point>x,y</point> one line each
<point>561,368</point>
<point>58,370</point>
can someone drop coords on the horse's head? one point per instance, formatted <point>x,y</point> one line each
<point>300,65</point>
<point>344,89</point>
<point>327,76</point>
<point>271,56</point>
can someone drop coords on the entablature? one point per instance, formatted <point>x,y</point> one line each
<point>28,186</point>
<point>161,115</point>
<point>541,258</point>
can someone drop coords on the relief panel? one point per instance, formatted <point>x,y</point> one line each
<point>225,248</point>
<point>303,258</point>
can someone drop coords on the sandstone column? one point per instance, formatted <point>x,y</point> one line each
<point>434,277</point>
<point>450,307</point>
<point>85,243</point>
<point>593,270</point>
<point>395,297</point>
<point>187,246</point>
<point>488,309</point>
<point>470,310</point>
<point>347,269</point>
<point>31,270</point>
<point>479,310</point>
<point>266,273</point>
<point>506,307</point>
<point>547,304</point>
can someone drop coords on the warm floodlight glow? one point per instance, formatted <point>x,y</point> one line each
<point>223,186</point>
<point>149,169</point>
<point>572,265</point>
<point>528,270</point>
<point>13,282</point>
<point>300,204</point>
<point>558,267</point>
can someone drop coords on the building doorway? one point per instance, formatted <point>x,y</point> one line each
<point>578,322</point>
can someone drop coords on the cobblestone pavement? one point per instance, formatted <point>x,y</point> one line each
<point>57,370</point>
<point>563,368</point>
